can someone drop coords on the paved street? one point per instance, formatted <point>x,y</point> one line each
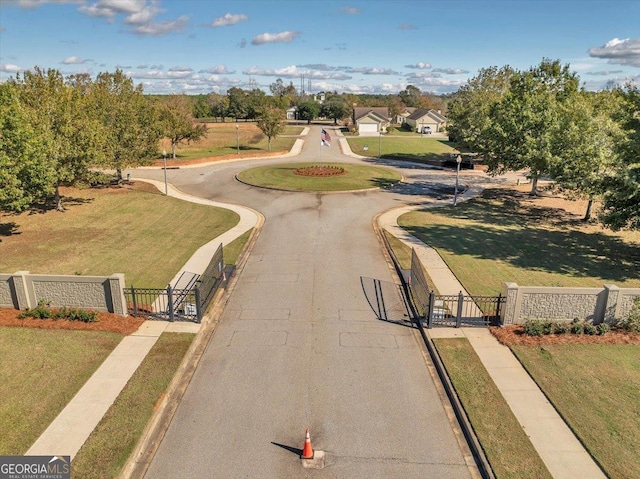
<point>299,346</point>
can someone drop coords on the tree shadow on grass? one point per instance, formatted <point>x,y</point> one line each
<point>543,239</point>
<point>50,205</point>
<point>9,229</point>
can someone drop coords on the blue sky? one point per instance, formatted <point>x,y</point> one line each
<point>373,46</point>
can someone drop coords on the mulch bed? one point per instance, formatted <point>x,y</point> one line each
<point>514,335</point>
<point>106,322</point>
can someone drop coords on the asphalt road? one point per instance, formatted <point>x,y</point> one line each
<point>299,345</point>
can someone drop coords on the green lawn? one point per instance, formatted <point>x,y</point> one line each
<point>138,232</point>
<point>41,371</point>
<point>596,389</point>
<point>107,449</point>
<point>357,177</point>
<point>504,236</point>
<point>412,148</point>
<point>222,139</point>
<point>506,446</point>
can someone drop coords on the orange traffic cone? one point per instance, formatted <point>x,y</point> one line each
<point>307,451</point>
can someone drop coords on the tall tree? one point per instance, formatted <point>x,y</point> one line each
<point>523,123</point>
<point>468,112</point>
<point>130,122</point>
<point>271,122</point>
<point>256,102</point>
<point>218,105</point>
<point>586,138</point>
<point>411,96</point>
<point>65,113</point>
<point>238,103</point>
<point>26,175</point>
<point>336,108</point>
<point>621,207</point>
<point>308,110</point>
<point>178,122</point>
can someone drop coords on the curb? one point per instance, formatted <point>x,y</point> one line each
<point>140,459</point>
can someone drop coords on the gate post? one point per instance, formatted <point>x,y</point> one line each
<point>459,312</point>
<point>198,305</point>
<point>134,301</point>
<point>170,302</point>
<point>497,319</point>
<point>432,298</point>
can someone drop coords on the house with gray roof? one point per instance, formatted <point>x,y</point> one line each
<point>371,120</point>
<point>425,117</point>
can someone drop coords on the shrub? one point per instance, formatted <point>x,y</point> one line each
<point>41,311</point>
<point>533,327</point>
<point>561,327</point>
<point>602,329</point>
<point>632,322</point>
<point>590,328</point>
<point>577,327</point>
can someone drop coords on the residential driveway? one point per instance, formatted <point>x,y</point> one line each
<point>300,346</point>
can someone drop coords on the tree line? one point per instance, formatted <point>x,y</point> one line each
<point>540,120</point>
<point>57,131</point>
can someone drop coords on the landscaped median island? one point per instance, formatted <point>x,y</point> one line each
<point>352,177</point>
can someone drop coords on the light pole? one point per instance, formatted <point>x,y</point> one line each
<point>455,196</point>
<point>237,140</point>
<point>164,158</point>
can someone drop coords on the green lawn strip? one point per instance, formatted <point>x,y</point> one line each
<point>145,235</point>
<point>506,446</point>
<point>221,140</point>
<point>596,389</point>
<point>41,371</point>
<point>401,251</point>
<point>486,244</point>
<point>110,444</point>
<point>357,177</point>
<point>232,251</point>
<point>435,149</point>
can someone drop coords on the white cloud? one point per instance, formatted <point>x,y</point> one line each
<point>143,16</point>
<point>372,71</point>
<point>419,66</point>
<point>38,3</point>
<point>282,37</point>
<point>319,66</point>
<point>10,68</point>
<point>218,70</point>
<point>604,73</point>
<point>229,19</point>
<point>163,28</point>
<point>351,10</point>
<point>450,71</point>
<point>75,61</point>
<point>294,72</point>
<point>619,52</point>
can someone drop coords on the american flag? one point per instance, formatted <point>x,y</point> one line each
<point>325,137</point>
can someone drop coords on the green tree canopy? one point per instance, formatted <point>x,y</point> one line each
<point>270,121</point>
<point>178,123</point>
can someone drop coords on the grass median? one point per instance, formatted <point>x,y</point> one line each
<point>431,149</point>
<point>41,371</point>
<point>355,177</point>
<point>506,446</point>
<point>107,449</point>
<point>596,389</point>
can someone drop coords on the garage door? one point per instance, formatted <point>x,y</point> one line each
<point>368,128</point>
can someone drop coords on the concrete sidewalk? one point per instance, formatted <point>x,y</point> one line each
<point>560,450</point>
<point>71,428</point>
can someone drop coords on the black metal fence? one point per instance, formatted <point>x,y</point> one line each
<point>455,310</point>
<point>458,310</point>
<point>168,304</point>
<point>186,300</point>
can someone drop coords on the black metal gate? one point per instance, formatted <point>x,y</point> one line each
<point>456,310</point>
<point>186,300</point>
